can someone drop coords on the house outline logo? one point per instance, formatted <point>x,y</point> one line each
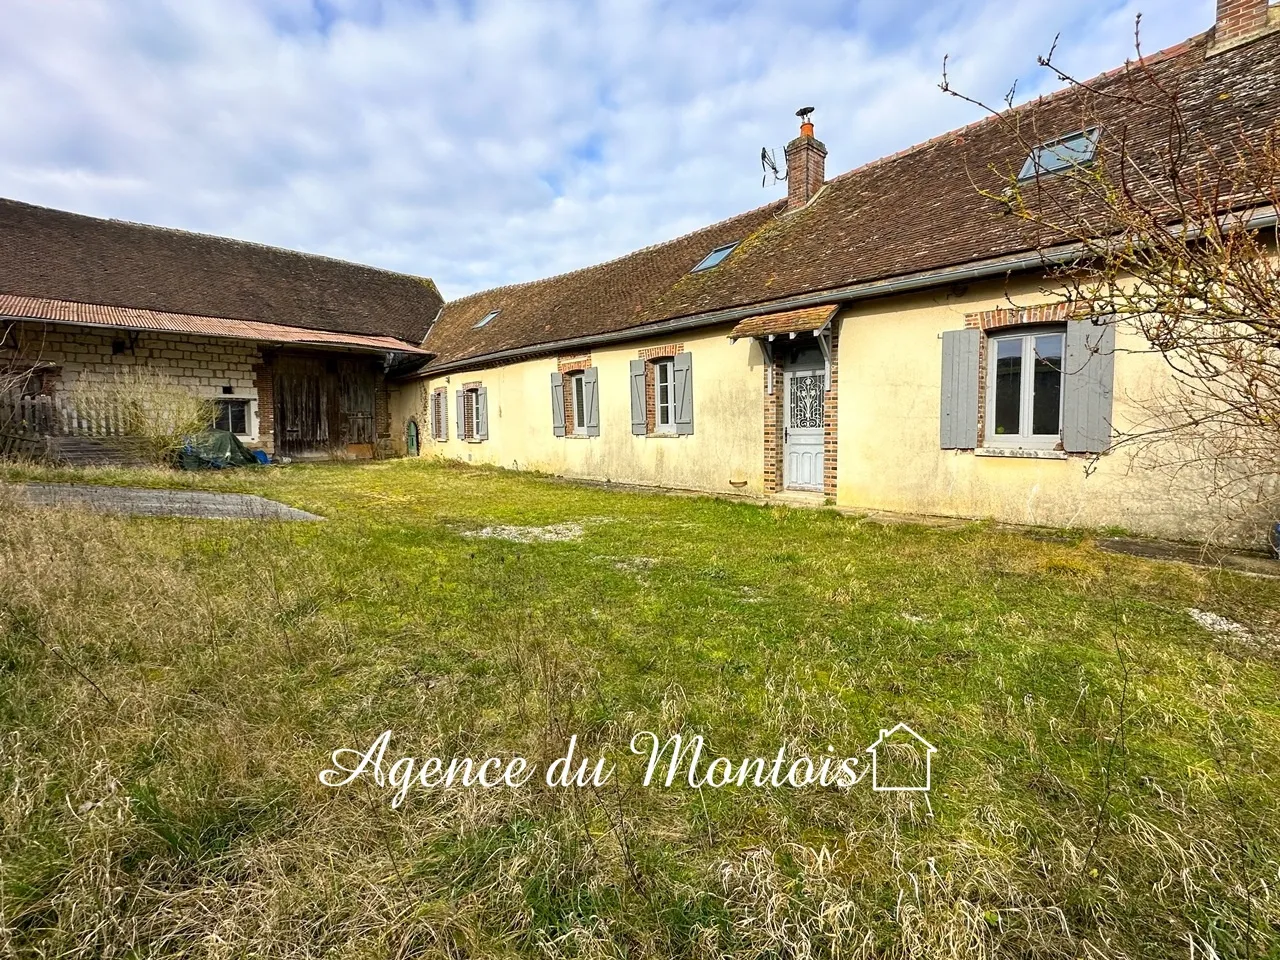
<point>930,750</point>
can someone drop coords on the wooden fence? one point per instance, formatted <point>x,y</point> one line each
<point>45,416</point>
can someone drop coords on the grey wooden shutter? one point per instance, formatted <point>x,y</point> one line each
<point>482,413</point>
<point>682,370</point>
<point>442,398</point>
<point>557,404</point>
<point>432,425</point>
<point>1087,386</point>
<point>462,415</point>
<point>958,426</point>
<point>591,388</point>
<point>639,421</point>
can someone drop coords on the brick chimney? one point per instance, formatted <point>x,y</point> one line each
<point>806,163</point>
<point>1240,21</point>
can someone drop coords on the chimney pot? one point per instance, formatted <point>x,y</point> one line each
<point>806,164</point>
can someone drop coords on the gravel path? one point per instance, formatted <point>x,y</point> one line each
<point>140,502</point>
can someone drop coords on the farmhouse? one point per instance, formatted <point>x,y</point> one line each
<point>295,350</point>
<point>890,338</point>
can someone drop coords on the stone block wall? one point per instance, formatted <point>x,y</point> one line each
<point>208,365</point>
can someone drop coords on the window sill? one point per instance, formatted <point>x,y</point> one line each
<point>1028,453</point>
<point>662,436</point>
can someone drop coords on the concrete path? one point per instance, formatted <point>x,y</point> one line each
<point>140,502</point>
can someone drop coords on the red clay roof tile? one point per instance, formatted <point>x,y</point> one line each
<point>789,321</point>
<point>915,211</point>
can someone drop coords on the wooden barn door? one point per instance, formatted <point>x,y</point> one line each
<point>324,404</point>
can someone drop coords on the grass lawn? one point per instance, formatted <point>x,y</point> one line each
<point>170,690</point>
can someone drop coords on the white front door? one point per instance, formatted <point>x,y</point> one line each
<point>802,435</point>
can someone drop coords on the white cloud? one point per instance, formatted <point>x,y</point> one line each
<point>494,141</point>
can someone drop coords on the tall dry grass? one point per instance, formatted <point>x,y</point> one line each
<point>171,690</point>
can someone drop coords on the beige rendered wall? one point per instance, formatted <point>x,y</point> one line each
<point>890,458</point>
<point>725,453</point>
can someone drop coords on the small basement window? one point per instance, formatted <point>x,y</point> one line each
<point>485,320</point>
<point>714,258</point>
<point>232,415</point>
<point>1073,150</point>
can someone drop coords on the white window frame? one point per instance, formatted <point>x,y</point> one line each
<point>667,366</point>
<point>1026,394</point>
<point>249,413</point>
<point>578,399</point>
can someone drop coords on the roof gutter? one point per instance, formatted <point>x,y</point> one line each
<point>981,270</point>
<point>844,294</point>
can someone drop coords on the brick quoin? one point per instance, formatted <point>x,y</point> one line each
<point>773,429</point>
<point>264,383</point>
<point>382,411</point>
<point>831,418</point>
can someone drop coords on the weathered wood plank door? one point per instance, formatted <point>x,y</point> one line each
<point>324,404</point>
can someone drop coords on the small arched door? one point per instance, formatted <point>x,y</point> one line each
<point>411,437</point>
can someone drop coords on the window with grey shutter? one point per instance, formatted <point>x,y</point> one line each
<point>557,403</point>
<point>639,421</point>
<point>462,414</point>
<point>439,415</point>
<point>683,369</point>
<point>1088,383</point>
<point>958,423</point>
<point>482,413</point>
<point>591,385</point>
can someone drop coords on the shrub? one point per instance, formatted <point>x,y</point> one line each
<point>150,410</point>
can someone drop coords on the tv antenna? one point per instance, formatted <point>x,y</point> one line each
<point>769,162</point>
<point>769,165</point>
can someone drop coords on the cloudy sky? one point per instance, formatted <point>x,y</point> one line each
<point>483,142</point>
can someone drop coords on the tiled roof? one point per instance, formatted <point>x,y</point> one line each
<point>66,256</point>
<point>788,321</point>
<point>918,210</point>
<point>129,318</point>
<point>611,296</point>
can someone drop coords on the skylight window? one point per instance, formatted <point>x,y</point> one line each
<point>714,257</point>
<point>1073,150</point>
<point>484,321</point>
